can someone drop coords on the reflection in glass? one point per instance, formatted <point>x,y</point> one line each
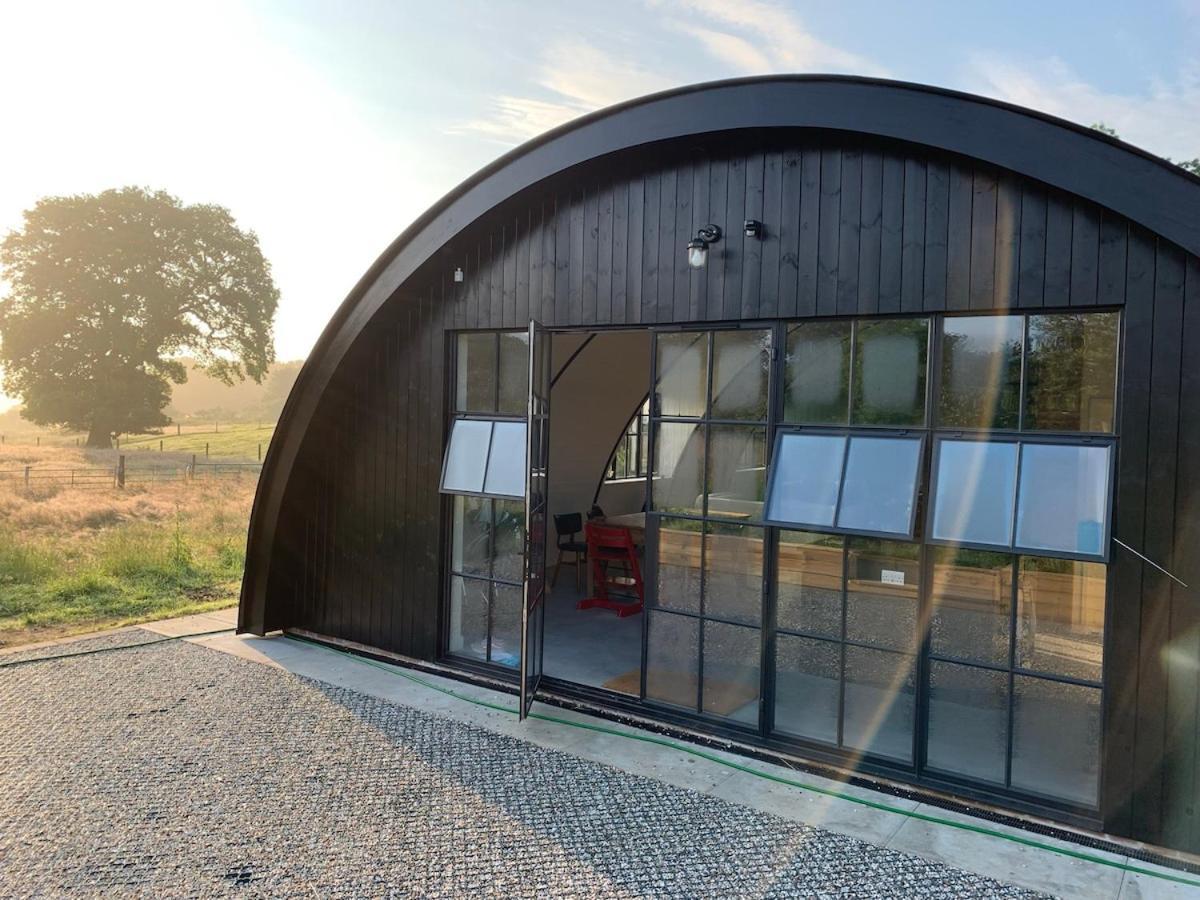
<point>808,676</point>
<point>678,467</point>
<point>471,550</point>
<point>809,583</point>
<point>882,578</point>
<point>981,372</point>
<point>737,470</point>
<point>506,461</point>
<point>804,486</point>
<point>971,599</point>
<point>468,617</point>
<point>509,540</point>
<point>976,481</point>
<point>733,572</point>
<point>679,564</point>
<point>817,380</point>
<point>682,373</point>
<point>731,672</point>
<point>1071,371</point>
<point>672,659</point>
<point>878,713</point>
<point>1060,617</point>
<point>741,364</point>
<point>475,379</point>
<point>466,456</point>
<point>514,372</point>
<point>968,721</point>
<point>506,625</point>
<point>889,372</point>
<point>880,485</point>
<point>1063,502</point>
<point>1056,739</point>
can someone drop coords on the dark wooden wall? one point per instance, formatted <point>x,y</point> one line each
<point>851,228</point>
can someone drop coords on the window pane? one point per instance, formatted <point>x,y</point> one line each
<point>1056,739</point>
<point>506,463</point>
<point>672,659</point>
<point>882,579</point>
<point>733,557</point>
<point>741,363</point>
<point>506,625</point>
<point>889,372</point>
<point>879,703</point>
<point>879,487</point>
<point>972,604</point>
<point>1071,372</point>
<point>682,373</point>
<point>817,388</point>
<point>976,482</point>
<point>808,677</point>
<point>468,617</point>
<point>466,456</point>
<point>509,540</point>
<point>809,578</point>
<point>514,372</point>
<point>1063,502</point>
<point>475,380</point>
<point>679,564</point>
<point>679,467</point>
<point>981,372</point>
<point>731,672</point>
<point>471,540</point>
<point>804,487</point>
<point>968,721</point>
<point>1060,617</point>
<point>737,470</point>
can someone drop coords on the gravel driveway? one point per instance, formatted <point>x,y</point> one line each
<point>178,770</point>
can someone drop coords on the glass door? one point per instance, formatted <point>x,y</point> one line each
<point>537,441</point>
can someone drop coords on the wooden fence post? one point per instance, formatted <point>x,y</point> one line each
<point>160,445</point>
<point>121,471</point>
<point>39,440</point>
<point>260,451</point>
<point>118,442</point>
<point>27,468</point>
<point>206,449</point>
<point>193,467</point>
<point>177,431</point>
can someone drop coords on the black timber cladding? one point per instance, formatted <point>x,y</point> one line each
<point>853,226</point>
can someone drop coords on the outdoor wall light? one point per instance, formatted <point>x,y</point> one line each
<point>697,247</point>
<point>458,275</point>
<point>753,228</point>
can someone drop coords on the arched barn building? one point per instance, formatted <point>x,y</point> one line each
<point>899,443</point>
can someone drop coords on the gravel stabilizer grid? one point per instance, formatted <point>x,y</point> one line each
<point>174,770</point>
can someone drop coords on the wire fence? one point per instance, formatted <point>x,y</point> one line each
<point>120,475</point>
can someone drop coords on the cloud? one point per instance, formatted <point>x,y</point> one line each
<point>1163,117</point>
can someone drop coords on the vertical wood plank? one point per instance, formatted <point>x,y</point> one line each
<point>664,306</point>
<point>751,288</point>
<point>891,249</point>
<point>829,226</point>
<point>549,258</point>
<point>789,233</point>
<point>808,255</point>
<point>983,241</point>
<point>1057,291</point>
<point>937,217</point>
<point>697,279</point>
<point>604,255</point>
<point>1085,254</point>
<point>650,234</point>
<point>768,306</point>
<point>1008,242</point>
<point>912,266</point>
<point>1110,274</point>
<point>620,250</point>
<point>718,201</point>
<point>636,251</point>
<point>1032,279</point>
<point>536,244</point>
<point>562,261</point>
<point>575,263</point>
<point>849,232</point>
<point>590,264</point>
<point>731,245</point>
<point>524,221</point>
<point>958,251</point>
<point>682,281</point>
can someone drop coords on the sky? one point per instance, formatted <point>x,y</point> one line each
<point>328,127</point>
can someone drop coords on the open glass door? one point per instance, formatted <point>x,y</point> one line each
<point>537,440</point>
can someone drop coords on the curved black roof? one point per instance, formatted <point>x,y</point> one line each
<point>1137,185</point>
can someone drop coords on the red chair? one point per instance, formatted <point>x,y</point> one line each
<point>613,557</point>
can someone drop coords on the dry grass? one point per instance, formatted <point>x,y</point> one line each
<point>74,560</point>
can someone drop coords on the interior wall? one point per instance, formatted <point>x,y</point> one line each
<point>590,404</point>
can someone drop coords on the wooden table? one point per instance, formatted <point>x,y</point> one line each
<point>636,523</point>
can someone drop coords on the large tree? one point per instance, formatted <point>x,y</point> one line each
<point>106,293</point>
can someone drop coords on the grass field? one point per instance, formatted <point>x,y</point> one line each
<point>239,442</point>
<point>76,560</point>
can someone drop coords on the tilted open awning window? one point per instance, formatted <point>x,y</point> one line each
<point>485,458</point>
<point>845,482</point>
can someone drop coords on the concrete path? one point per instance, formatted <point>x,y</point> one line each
<point>170,769</point>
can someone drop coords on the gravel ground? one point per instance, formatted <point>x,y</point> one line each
<point>176,770</point>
